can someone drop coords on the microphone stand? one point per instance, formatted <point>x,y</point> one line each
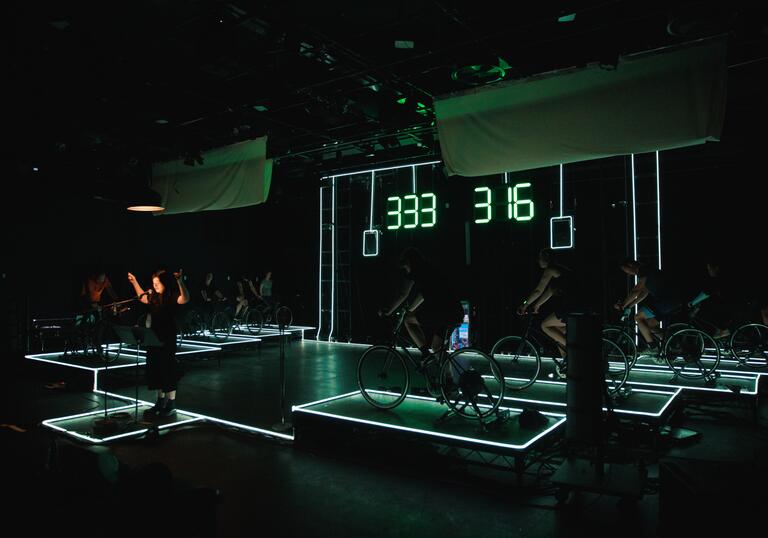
<point>282,425</point>
<point>108,424</point>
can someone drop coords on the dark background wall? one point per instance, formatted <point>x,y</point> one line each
<point>712,205</point>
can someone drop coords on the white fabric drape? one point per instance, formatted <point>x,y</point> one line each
<point>233,176</point>
<point>656,100</point>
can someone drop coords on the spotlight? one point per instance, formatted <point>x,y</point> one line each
<point>147,201</point>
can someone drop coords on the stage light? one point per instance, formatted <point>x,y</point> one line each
<point>147,200</point>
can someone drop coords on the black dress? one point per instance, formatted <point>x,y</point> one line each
<point>163,368</point>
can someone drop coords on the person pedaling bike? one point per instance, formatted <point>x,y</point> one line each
<point>560,281</point>
<point>252,294</point>
<point>265,289</point>
<point>431,292</point>
<point>240,292</point>
<point>715,301</point>
<point>663,294</point>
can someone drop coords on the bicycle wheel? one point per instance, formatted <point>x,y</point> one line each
<point>520,361</point>
<point>692,354</point>
<point>615,366</point>
<point>195,323</point>
<point>383,377</point>
<point>624,341</point>
<point>283,317</point>
<point>221,326</point>
<point>254,321</point>
<point>101,342</point>
<point>749,345</point>
<point>472,383</point>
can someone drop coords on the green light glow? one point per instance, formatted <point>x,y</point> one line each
<point>414,211</point>
<point>430,210</point>
<point>512,197</point>
<point>483,205</point>
<point>401,101</point>
<point>394,212</point>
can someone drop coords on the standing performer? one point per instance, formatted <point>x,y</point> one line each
<point>163,368</point>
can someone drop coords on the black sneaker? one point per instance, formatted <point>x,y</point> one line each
<point>155,409</point>
<point>168,410</point>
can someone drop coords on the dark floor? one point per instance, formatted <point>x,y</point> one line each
<point>343,487</point>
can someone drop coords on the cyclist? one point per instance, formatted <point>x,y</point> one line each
<point>265,289</point>
<point>432,294</point>
<point>715,300</point>
<point>240,292</point>
<point>664,297</point>
<point>209,292</point>
<point>559,281</point>
<point>211,295</point>
<point>251,293</point>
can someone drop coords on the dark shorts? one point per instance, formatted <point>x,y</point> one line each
<point>657,307</point>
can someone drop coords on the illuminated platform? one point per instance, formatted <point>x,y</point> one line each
<point>638,402</point>
<point>272,331</point>
<point>647,373</point>
<point>208,339</point>
<point>84,427</point>
<point>663,377</point>
<point>419,417</point>
<point>126,357</point>
<point>726,366</point>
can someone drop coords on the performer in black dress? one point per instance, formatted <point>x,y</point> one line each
<point>163,368</point>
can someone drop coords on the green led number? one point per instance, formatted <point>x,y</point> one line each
<point>482,207</point>
<point>431,201</point>
<point>413,212</point>
<point>403,212</point>
<point>392,212</point>
<point>514,203</point>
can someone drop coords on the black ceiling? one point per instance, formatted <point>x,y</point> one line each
<point>114,86</point>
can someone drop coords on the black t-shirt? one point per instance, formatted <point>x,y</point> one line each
<point>659,284</point>
<point>163,310</point>
<point>209,289</point>
<point>435,287</point>
<point>566,284</point>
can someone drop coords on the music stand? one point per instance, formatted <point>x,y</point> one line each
<point>282,425</point>
<point>137,336</point>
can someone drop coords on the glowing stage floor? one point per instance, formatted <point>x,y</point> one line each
<point>422,417</point>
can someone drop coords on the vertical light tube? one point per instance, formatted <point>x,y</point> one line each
<point>658,206</point>
<point>634,213</point>
<point>333,256</point>
<point>634,225</point>
<point>320,277</point>
<point>370,223</point>
<point>561,190</point>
